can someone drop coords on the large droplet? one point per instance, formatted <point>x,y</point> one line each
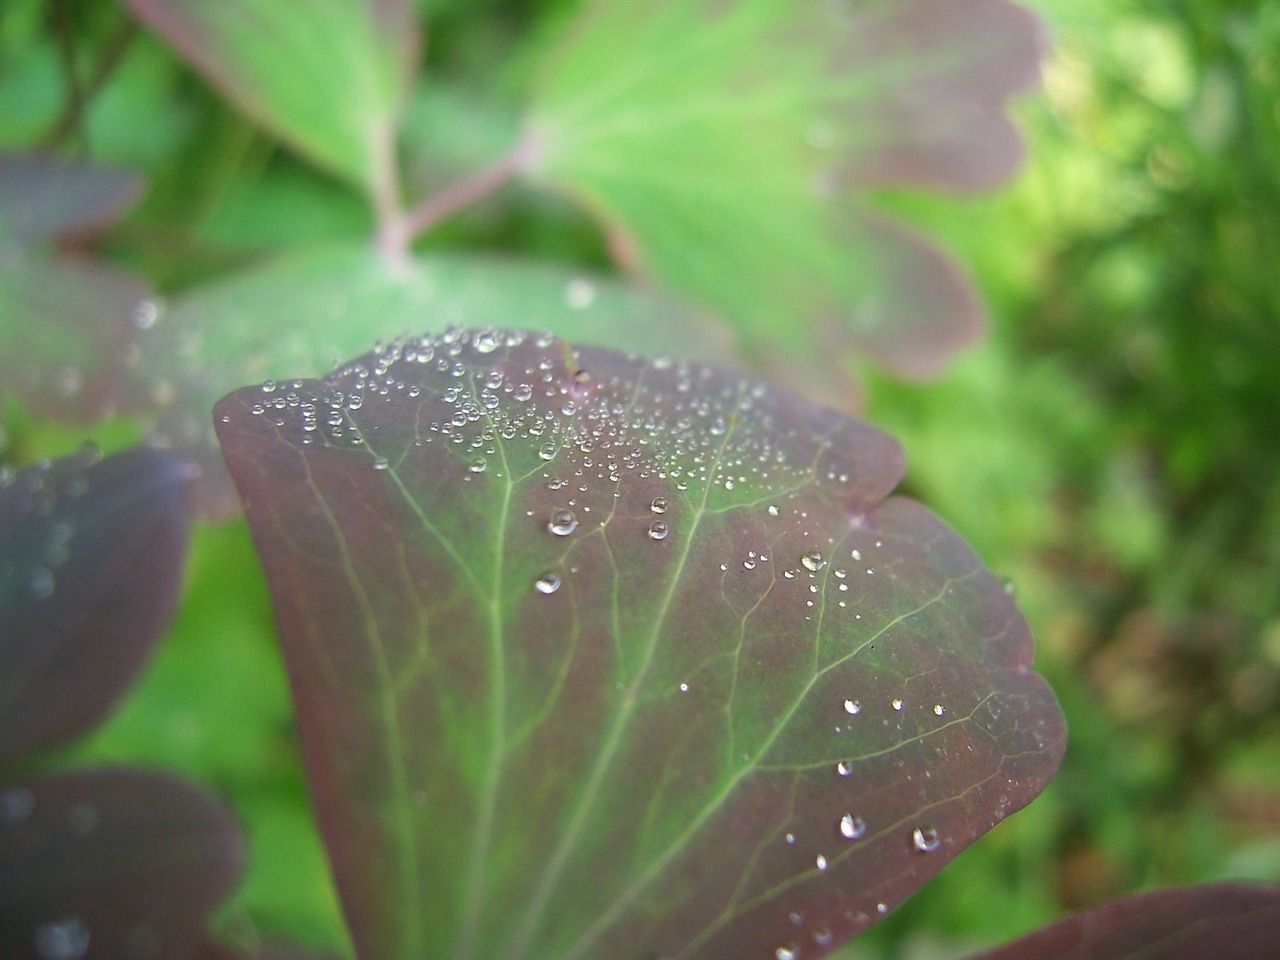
<point>562,523</point>
<point>925,839</point>
<point>844,768</point>
<point>478,465</point>
<point>852,707</point>
<point>658,505</point>
<point>658,530</point>
<point>851,827</point>
<point>65,940</point>
<point>548,451</point>
<point>549,582</point>
<point>813,561</point>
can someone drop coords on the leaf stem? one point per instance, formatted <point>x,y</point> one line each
<point>463,193</point>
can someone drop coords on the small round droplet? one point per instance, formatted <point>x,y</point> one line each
<point>852,707</point>
<point>487,341</point>
<point>897,704</point>
<point>478,465</point>
<point>65,940</point>
<point>658,530</point>
<point>786,953</point>
<point>381,463</point>
<point>579,293</point>
<point>772,510</point>
<point>562,523</point>
<point>851,827</point>
<point>658,505</point>
<point>813,562</point>
<point>549,582</point>
<point>844,768</point>
<point>820,862</point>
<point>548,451</point>
<point>925,839</point>
<point>939,709</point>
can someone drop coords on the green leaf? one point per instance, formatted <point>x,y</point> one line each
<point>328,76</point>
<point>723,141</point>
<point>597,656</point>
<point>305,312</point>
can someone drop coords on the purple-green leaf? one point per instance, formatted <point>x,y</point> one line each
<point>111,863</point>
<point>91,556</point>
<point>599,656</point>
<point>726,143</point>
<point>42,197</point>
<point>328,76</point>
<point>1224,921</point>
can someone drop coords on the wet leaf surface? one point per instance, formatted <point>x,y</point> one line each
<point>1223,921</point>
<point>42,197</point>
<point>111,863</point>
<point>594,654</point>
<point>91,557</point>
<point>303,314</point>
<point>328,76</point>
<point>726,143</point>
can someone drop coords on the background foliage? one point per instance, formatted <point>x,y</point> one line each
<point>1111,446</point>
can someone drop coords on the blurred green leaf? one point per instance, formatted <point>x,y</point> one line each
<point>328,76</point>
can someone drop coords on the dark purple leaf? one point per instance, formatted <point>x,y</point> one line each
<point>596,656</point>
<point>91,555</point>
<point>69,337</point>
<point>42,197</point>
<point>116,864</point>
<point>1222,922</point>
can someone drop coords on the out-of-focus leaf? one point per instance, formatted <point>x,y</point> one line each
<point>1224,921</point>
<point>448,133</point>
<point>90,566</point>
<point>601,656</point>
<point>720,142</point>
<point>329,76</point>
<point>304,313</point>
<point>69,332</point>
<point>42,197</point>
<point>111,863</point>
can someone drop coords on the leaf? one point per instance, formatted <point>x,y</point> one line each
<point>42,197</point>
<point>328,76</point>
<point>1225,921</point>
<point>303,313</point>
<point>722,141</point>
<point>69,332</point>
<point>111,863</point>
<point>602,656</point>
<point>91,558</point>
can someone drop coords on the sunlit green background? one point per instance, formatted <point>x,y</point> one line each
<point>1113,447</point>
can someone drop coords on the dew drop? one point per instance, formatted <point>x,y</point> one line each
<point>658,530</point>
<point>478,465</point>
<point>562,523</point>
<point>658,505</point>
<point>851,827</point>
<point>844,768</point>
<point>823,937</point>
<point>820,862</point>
<point>772,510</point>
<point>548,451</point>
<point>925,839</point>
<point>579,293</point>
<point>65,940</point>
<point>939,709</point>
<point>487,341</point>
<point>522,393</point>
<point>381,463</point>
<point>549,582</point>
<point>813,561</point>
<point>145,314</point>
<point>852,707</point>
<point>897,704</point>
<point>786,953</point>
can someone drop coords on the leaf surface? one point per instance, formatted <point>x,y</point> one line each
<point>723,141</point>
<point>328,76</point>
<point>602,656</point>
<point>302,314</point>
<point>1224,921</point>
<point>91,555</point>
<point>111,863</point>
<point>42,197</point>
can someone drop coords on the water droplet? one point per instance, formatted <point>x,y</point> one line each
<point>487,341</point>
<point>897,703</point>
<point>852,707</point>
<point>548,451</point>
<point>791,838</point>
<point>381,463</point>
<point>851,827</point>
<point>579,293</point>
<point>813,561</point>
<point>1009,587</point>
<point>684,688</point>
<point>823,937</point>
<point>796,918</point>
<point>65,940</point>
<point>787,953</point>
<point>820,862</point>
<point>522,393</point>
<point>772,510</point>
<point>549,582</point>
<point>478,465</point>
<point>658,505</point>
<point>658,530</point>
<point>562,523</point>
<point>145,314</point>
<point>16,805</point>
<point>268,386</point>
<point>925,839</point>
<point>939,709</point>
<point>844,768</point>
